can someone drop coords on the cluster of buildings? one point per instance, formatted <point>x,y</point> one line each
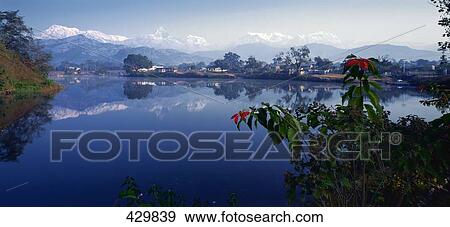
<point>166,69</point>
<point>157,68</point>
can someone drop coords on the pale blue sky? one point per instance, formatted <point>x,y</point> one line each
<point>353,21</point>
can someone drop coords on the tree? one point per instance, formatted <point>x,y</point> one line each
<point>323,63</point>
<point>133,62</point>
<point>231,62</point>
<point>17,37</point>
<point>385,64</point>
<point>294,58</point>
<point>191,66</point>
<point>252,65</point>
<point>278,63</point>
<point>444,21</point>
<point>14,34</point>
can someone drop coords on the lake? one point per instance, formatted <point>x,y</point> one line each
<point>28,178</point>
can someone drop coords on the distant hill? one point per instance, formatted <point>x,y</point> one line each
<point>79,49</point>
<point>259,50</point>
<point>396,52</point>
<point>161,56</point>
<point>266,52</point>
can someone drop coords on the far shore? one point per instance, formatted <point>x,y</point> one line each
<point>327,78</point>
<point>330,78</point>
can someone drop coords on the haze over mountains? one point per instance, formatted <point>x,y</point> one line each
<point>77,46</point>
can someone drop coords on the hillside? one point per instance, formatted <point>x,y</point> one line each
<point>14,69</point>
<point>15,76</point>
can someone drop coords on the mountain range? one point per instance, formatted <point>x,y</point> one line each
<point>266,52</point>
<point>77,46</point>
<point>79,49</point>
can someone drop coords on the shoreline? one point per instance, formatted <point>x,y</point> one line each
<point>325,78</point>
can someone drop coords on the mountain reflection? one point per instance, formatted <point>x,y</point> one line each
<point>93,95</point>
<point>21,121</point>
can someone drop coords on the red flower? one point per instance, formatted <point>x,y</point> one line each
<point>242,114</point>
<point>361,62</point>
<point>235,118</point>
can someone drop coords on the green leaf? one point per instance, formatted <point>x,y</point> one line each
<point>346,78</point>
<point>357,92</point>
<point>366,85</point>
<point>348,94</point>
<point>292,133</point>
<point>283,129</point>
<point>262,117</point>
<point>270,125</point>
<point>375,100</point>
<point>375,85</point>
<point>249,122</point>
<point>371,112</point>
<point>373,68</point>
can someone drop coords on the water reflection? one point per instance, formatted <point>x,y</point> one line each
<point>96,95</point>
<point>137,89</point>
<point>114,103</point>
<point>22,120</point>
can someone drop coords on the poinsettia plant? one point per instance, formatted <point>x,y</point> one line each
<point>360,75</point>
<point>416,174</point>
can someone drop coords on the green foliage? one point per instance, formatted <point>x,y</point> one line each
<point>417,173</point>
<point>17,37</point>
<point>253,66</point>
<point>231,62</point>
<point>294,58</point>
<point>155,196</point>
<point>444,21</point>
<point>14,34</point>
<point>441,99</point>
<point>133,62</point>
<point>233,200</point>
<point>322,63</point>
<point>358,78</point>
<point>22,87</point>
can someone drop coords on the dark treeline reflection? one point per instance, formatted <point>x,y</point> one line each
<point>21,121</point>
<point>292,94</point>
<point>137,89</point>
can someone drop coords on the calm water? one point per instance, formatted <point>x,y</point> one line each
<point>28,178</point>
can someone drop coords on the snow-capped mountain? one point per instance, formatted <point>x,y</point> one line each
<point>277,39</point>
<point>274,38</point>
<point>164,48</point>
<point>79,49</point>
<point>60,32</point>
<point>320,37</point>
<point>162,39</point>
<point>196,42</point>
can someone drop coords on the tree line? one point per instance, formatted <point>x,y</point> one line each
<point>18,38</point>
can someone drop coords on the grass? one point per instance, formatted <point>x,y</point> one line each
<point>19,78</point>
<point>20,87</point>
